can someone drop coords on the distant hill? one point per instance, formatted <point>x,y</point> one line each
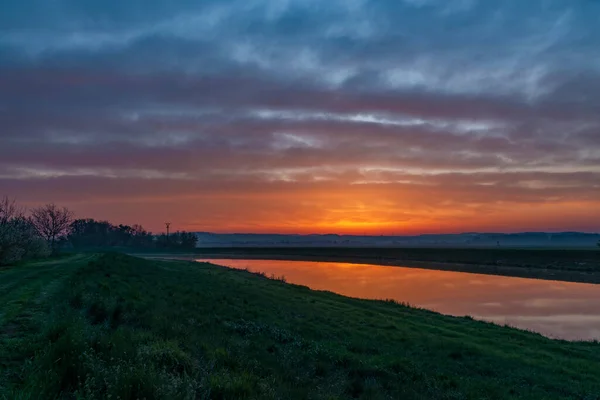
<point>524,239</point>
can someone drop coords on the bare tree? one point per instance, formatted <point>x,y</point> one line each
<point>18,237</point>
<point>9,210</point>
<point>52,222</point>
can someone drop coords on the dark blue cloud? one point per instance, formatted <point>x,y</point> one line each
<point>518,49</point>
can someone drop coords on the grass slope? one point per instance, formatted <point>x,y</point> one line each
<point>113,326</point>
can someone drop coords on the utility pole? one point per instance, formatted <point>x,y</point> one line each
<point>168,225</point>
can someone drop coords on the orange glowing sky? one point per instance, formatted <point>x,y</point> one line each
<point>328,207</point>
<point>378,117</point>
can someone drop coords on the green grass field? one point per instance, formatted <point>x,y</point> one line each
<point>587,260</point>
<point>119,327</point>
<point>572,265</point>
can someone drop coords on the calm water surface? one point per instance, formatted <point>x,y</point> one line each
<point>556,309</point>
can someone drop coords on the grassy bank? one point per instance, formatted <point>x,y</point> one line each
<point>569,265</point>
<point>90,327</point>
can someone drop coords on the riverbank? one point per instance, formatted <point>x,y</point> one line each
<point>567,265</point>
<point>98,325</point>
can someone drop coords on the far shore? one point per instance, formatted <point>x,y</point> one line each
<point>535,272</point>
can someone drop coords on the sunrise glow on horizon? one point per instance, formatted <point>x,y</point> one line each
<point>350,117</point>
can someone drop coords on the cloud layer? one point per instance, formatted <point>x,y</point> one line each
<point>305,116</point>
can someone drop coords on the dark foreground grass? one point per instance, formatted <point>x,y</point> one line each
<point>113,326</point>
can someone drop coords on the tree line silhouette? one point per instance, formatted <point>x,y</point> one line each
<point>47,229</point>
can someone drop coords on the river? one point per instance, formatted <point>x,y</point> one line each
<point>561,310</point>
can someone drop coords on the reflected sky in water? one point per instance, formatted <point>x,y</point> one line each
<point>556,309</point>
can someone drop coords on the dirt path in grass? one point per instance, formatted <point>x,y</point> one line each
<point>24,287</point>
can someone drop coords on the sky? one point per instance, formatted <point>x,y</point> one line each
<point>305,116</point>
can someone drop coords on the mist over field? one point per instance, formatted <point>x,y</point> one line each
<point>525,240</point>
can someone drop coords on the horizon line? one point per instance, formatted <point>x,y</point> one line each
<point>400,235</point>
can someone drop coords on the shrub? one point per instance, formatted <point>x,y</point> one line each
<point>19,239</point>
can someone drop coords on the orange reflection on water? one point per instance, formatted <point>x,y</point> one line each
<point>556,309</point>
